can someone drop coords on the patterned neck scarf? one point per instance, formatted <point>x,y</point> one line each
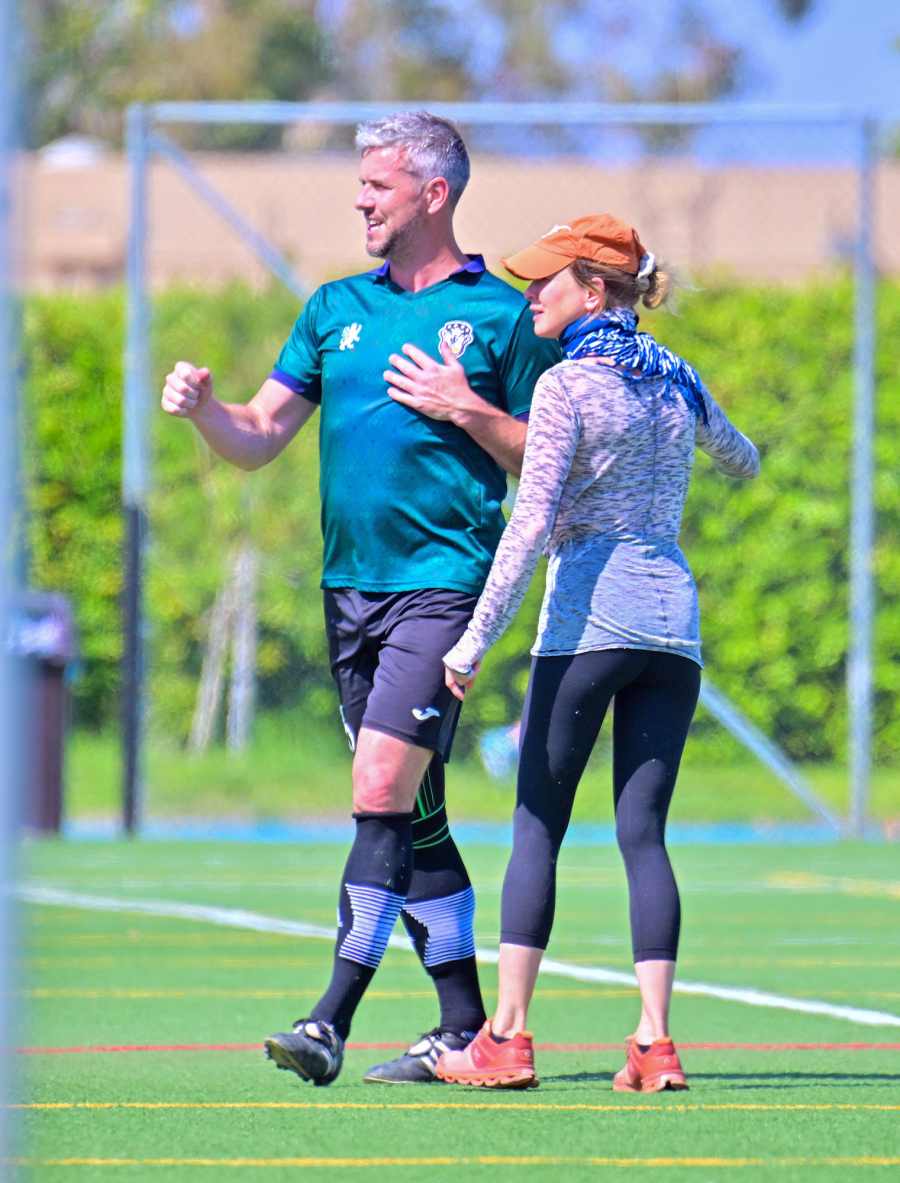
<point>613,334</point>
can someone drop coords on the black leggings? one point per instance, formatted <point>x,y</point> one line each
<point>567,698</point>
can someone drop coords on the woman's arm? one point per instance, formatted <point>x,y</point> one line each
<point>730,450</point>
<point>553,430</point>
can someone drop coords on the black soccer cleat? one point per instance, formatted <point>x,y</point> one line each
<point>313,1049</point>
<point>417,1064</point>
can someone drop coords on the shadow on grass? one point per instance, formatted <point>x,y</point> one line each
<point>784,1080</point>
<point>748,1080</point>
<point>577,1078</point>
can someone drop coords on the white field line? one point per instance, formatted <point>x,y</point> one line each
<point>238,918</point>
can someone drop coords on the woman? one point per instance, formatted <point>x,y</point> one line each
<point>611,438</point>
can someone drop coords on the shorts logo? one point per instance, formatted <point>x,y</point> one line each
<point>350,336</point>
<point>348,731</point>
<point>428,713</point>
<point>457,335</point>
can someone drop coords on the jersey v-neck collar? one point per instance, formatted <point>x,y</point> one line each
<point>382,274</point>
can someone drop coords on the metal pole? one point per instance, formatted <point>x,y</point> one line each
<point>135,470</point>
<point>10,751</point>
<point>540,114</point>
<point>862,510</point>
<point>767,752</point>
<point>264,250</point>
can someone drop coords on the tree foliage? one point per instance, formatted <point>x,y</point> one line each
<point>536,49</point>
<point>91,58</point>
<point>770,556</point>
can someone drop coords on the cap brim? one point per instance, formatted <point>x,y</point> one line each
<point>535,262</point>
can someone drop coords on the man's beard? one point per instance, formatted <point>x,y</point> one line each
<point>398,241</point>
<point>381,252</point>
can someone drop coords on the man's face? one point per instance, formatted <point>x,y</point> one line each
<point>391,200</point>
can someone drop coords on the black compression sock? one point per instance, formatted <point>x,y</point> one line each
<point>338,1004</point>
<point>373,888</point>
<point>440,907</point>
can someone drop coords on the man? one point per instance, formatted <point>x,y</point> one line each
<point>423,370</point>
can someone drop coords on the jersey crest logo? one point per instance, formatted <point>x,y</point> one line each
<point>350,336</point>
<point>457,335</point>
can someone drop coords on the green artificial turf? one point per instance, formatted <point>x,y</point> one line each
<point>805,922</point>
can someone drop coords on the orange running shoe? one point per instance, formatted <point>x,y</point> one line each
<point>652,1070</point>
<point>491,1065</point>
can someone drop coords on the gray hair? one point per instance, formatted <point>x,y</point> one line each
<point>433,146</point>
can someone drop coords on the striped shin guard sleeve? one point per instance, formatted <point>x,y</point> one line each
<point>448,921</point>
<point>375,911</point>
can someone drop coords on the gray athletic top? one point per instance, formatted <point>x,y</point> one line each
<point>606,471</point>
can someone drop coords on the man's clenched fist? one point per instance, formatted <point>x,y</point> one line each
<point>186,390</point>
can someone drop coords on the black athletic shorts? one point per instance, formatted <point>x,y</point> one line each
<point>386,651</point>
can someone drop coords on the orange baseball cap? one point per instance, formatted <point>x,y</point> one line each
<point>601,238</point>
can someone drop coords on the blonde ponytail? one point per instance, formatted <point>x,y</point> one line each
<point>624,289</point>
<point>661,289</point>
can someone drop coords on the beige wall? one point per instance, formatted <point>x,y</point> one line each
<point>754,223</point>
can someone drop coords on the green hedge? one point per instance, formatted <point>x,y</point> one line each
<point>73,358</point>
<point>770,556</point>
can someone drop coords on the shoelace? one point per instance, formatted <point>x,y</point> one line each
<point>436,1046</point>
<point>324,1030</point>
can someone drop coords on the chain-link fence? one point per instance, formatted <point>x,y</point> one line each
<point>767,213</point>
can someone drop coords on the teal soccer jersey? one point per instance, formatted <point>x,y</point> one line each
<point>409,502</point>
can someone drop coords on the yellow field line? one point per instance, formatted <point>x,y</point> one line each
<point>46,992</point>
<point>843,884</point>
<point>587,992</point>
<point>206,992</point>
<point>530,1106</point>
<point>889,994</point>
<point>40,992</point>
<point>109,960</point>
<point>465,1160</point>
<point>183,961</point>
<point>738,961</point>
<point>239,963</point>
<point>183,939</point>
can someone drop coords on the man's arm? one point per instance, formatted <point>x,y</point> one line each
<point>442,391</point>
<point>247,435</point>
<point>501,436</point>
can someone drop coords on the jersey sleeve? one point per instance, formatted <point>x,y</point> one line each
<point>728,448</point>
<point>554,429</point>
<point>525,358</point>
<point>299,365</point>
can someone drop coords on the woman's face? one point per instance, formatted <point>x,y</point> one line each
<point>558,300</point>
